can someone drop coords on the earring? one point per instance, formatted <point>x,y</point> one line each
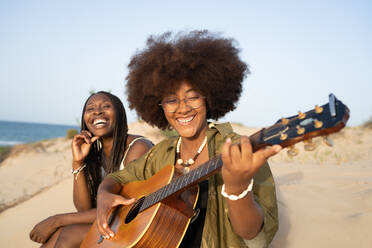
<point>99,145</point>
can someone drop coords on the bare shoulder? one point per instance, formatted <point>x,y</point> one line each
<point>138,148</point>
<point>140,141</point>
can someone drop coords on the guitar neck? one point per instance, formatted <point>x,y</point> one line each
<point>323,120</point>
<point>183,182</point>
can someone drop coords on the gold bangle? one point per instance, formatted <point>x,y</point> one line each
<point>237,197</point>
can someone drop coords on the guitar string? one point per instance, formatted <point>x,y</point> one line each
<point>166,190</point>
<point>180,183</point>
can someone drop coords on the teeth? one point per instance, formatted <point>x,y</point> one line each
<point>99,121</point>
<point>185,120</point>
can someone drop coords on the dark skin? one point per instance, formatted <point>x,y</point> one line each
<point>62,229</point>
<point>240,164</point>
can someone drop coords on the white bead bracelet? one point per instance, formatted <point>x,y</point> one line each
<point>77,171</point>
<point>237,197</point>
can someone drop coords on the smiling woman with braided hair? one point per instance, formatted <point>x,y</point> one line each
<point>103,146</point>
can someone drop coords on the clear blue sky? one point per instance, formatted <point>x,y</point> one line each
<point>52,53</point>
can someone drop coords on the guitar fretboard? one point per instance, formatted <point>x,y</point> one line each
<point>182,182</point>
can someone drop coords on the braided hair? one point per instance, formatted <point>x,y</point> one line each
<point>93,174</point>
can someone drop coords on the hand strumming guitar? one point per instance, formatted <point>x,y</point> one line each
<point>107,199</point>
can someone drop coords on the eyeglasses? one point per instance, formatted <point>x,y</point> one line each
<point>171,104</point>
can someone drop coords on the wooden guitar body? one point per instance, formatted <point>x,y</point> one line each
<point>150,228</point>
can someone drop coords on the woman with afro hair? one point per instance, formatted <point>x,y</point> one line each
<point>180,82</point>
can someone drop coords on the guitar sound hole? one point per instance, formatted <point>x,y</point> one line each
<point>133,212</point>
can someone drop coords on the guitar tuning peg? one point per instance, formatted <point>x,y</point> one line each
<point>292,151</point>
<point>328,141</point>
<point>318,109</point>
<point>309,145</point>
<point>283,136</point>
<point>285,121</point>
<point>300,130</point>
<point>317,123</point>
<point>301,115</point>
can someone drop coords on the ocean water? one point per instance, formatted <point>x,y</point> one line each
<point>12,133</point>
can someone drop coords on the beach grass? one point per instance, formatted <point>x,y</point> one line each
<point>70,133</point>
<point>368,124</point>
<point>4,152</point>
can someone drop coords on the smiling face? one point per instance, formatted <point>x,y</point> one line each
<point>190,123</point>
<point>99,115</point>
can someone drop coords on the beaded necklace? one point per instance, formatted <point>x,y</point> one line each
<point>190,161</point>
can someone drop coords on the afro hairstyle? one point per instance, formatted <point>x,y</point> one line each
<point>207,61</point>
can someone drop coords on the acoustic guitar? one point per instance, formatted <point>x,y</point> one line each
<point>162,212</point>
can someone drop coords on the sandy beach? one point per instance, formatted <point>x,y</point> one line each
<point>324,196</point>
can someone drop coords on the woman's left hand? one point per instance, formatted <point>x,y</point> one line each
<point>240,163</point>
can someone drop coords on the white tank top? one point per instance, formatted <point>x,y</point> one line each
<point>103,172</point>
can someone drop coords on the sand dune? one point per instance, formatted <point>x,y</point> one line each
<point>325,196</point>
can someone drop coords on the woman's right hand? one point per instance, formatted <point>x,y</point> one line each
<point>106,202</point>
<point>81,145</point>
<point>44,229</point>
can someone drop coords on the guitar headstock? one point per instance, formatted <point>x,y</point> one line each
<point>320,121</point>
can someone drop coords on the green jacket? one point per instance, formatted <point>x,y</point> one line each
<point>217,230</point>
